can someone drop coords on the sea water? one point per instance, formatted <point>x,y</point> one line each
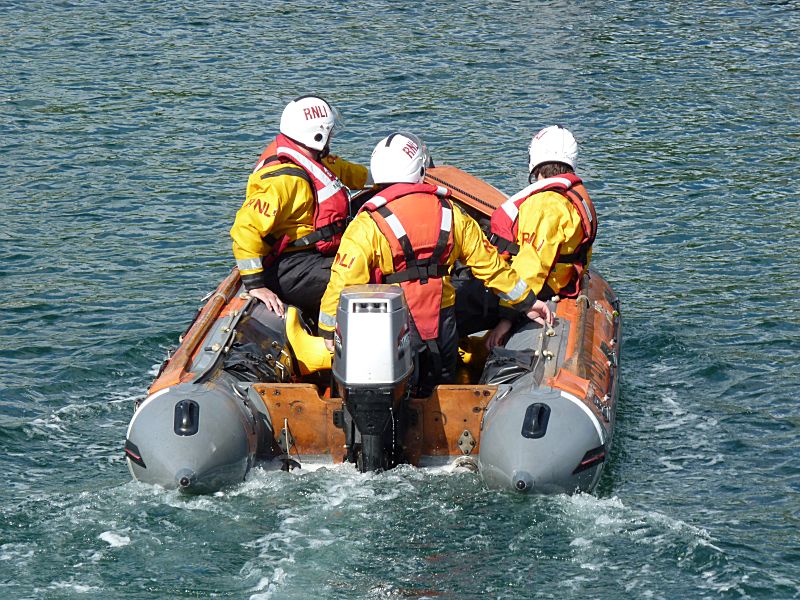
<point>127,131</point>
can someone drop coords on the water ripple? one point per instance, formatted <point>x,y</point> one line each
<point>126,133</point>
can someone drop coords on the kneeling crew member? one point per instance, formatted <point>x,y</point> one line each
<point>295,210</point>
<point>547,228</point>
<point>410,234</point>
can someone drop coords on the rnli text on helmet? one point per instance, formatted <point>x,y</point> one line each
<point>410,149</point>
<point>315,112</point>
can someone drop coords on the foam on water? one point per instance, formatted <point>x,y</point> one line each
<point>126,138</point>
<point>115,540</point>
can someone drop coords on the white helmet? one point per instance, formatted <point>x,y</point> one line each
<point>309,120</point>
<point>399,158</point>
<point>552,144</point>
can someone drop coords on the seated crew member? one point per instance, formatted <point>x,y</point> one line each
<point>410,233</point>
<point>295,209</point>
<point>547,228</point>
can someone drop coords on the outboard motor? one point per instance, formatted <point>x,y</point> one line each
<point>372,364</point>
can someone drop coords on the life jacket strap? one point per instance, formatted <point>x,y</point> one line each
<point>444,233</point>
<point>323,233</point>
<point>422,272</point>
<point>503,245</point>
<point>293,170</point>
<point>265,161</point>
<point>425,269</point>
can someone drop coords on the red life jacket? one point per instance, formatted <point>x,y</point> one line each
<point>505,221</point>
<point>421,243</point>
<point>331,203</point>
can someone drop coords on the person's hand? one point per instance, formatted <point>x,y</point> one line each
<point>329,345</point>
<point>497,336</point>
<point>269,298</point>
<point>540,313</point>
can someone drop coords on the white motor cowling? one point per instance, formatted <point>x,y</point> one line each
<point>372,344</point>
<point>372,365</point>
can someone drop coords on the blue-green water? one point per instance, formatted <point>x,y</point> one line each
<point>126,134</point>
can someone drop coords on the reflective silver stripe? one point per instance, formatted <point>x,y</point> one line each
<point>538,185</point>
<point>397,227</point>
<point>592,418</point>
<point>543,183</point>
<point>306,163</point>
<point>330,186</point>
<point>329,190</point>
<point>376,202</point>
<point>447,219</point>
<point>561,180</point>
<point>586,208</point>
<point>442,191</point>
<point>516,293</point>
<point>249,264</point>
<point>524,193</point>
<point>326,319</point>
<point>510,208</point>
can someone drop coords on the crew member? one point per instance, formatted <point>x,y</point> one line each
<point>295,210</point>
<point>410,233</point>
<point>547,228</point>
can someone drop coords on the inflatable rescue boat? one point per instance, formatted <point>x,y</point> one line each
<point>245,387</point>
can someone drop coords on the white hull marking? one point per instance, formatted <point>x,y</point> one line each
<point>142,405</point>
<point>589,413</point>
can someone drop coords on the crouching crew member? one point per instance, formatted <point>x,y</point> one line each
<point>410,233</point>
<point>295,210</point>
<point>548,228</point>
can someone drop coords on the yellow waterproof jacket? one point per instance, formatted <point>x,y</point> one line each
<point>364,249</point>
<point>548,226</point>
<point>280,201</point>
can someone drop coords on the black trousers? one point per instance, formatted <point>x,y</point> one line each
<point>300,278</point>
<point>477,307</point>
<point>426,374</point>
